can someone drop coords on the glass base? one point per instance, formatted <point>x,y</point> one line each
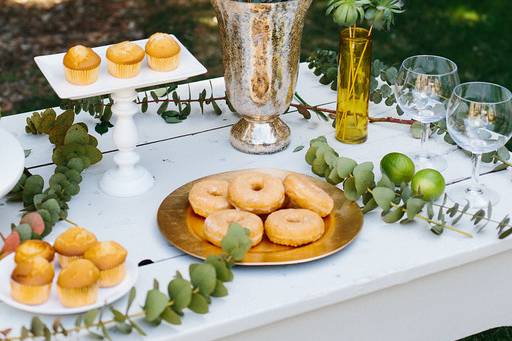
<point>429,160</point>
<point>478,197</point>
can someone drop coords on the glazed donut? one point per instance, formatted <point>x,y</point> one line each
<point>294,227</point>
<point>304,193</point>
<point>209,196</point>
<point>216,225</point>
<point>255,192</point>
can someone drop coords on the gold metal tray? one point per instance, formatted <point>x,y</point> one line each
<point>184,229</point>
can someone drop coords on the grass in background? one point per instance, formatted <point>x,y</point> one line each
<point>473,33</point>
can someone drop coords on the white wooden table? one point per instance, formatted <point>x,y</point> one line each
<point>393,283</point>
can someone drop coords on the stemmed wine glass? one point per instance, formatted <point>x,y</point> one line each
<point>479,120</point>
<point>422,89</point>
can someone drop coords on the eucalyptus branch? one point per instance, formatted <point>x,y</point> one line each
<point>74,151</point>
<point>396,199</point>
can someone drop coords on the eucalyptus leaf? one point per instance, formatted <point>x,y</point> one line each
<point>220,290</point>
<point>203,277</point>
<point>171,316</point>
<point>345,166</point>
<point>236,243</point>
<point>89,317</point>
<point>370,206</point>
<point>37,326</point>
<point>199,304</point>
<point>180,291</point>
<point>383,197</point>
<point>349,187</point>
<point>393,215</point>
<point>414,206</point>
<point>222,269</point>
<point>155,304</point>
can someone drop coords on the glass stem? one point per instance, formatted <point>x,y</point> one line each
<point>425,130</point>
<point>475,183</point>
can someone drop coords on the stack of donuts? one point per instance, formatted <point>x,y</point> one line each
<point>289,212</point>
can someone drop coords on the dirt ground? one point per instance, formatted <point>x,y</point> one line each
<point>29,28</point>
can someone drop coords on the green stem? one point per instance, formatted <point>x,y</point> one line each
<point>449,227</point>
<point>70,222</point>
<point>81,328</point>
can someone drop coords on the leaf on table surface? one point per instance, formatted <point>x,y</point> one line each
<point>155,303</point>
<point>199,304</point>
<point>180,291</point>
<point>170,316</point>
<point>349,187</point>
<point>414,206</point>
<point>298,149</point>
<point>384,197</point>
<point>345,166</point>
<point>222,269</point>
<point>203,277</point>
<point>393,215</point>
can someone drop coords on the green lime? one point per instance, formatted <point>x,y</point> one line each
<point>398,167</point>
<point>429,184</point>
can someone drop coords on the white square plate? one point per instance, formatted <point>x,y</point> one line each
<point>52,68</point>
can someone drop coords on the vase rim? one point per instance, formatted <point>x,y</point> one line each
<point>361,34</point>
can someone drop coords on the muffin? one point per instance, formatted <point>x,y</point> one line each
<point>77,284</point>
<point>124,59</point>
<point>31,281</point>
<point>109,258</point>
<point>163,52</point>
<point>72,244</point>
<point>33,248</point>
<point>81,65</point>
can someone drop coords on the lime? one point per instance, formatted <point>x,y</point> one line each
<point>429,184</point>
<point>398,167</point>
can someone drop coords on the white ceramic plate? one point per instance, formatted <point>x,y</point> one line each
<point>53,305</point>
<point>12,162</point>
<point>52,69</point>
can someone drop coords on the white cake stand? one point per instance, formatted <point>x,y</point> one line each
<point>127,178</point>
<point>12,159</point>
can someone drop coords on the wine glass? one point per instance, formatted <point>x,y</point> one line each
<point>479,120</point>
<point>423,87</point>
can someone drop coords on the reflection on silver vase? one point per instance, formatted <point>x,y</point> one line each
<point>261,48</point>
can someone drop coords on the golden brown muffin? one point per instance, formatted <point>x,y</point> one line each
<point>33,248</point>
<point>124,59</point>
<point>163,52</point>
<point>72,244</point>
<point>81,65</point>
<point>109,258</point>
<point>31,281</point>
<point>77,284</point>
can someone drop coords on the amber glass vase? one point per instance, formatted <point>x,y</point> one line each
<point>353,85</point>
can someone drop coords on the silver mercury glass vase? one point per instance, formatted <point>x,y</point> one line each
<point>261,48</point>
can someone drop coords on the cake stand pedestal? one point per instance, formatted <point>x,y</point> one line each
<point>127,178</point>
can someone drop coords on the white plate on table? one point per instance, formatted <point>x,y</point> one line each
<point>52,68</point>
<point>12,162</point>
<point>53,305</point>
